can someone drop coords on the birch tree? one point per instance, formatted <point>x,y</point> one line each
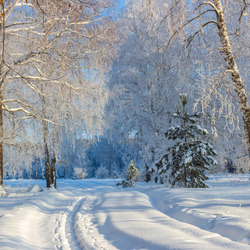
<point>232,66</point>
<point>142,98</point>
<point>212,13</point>
<point>69,37</point>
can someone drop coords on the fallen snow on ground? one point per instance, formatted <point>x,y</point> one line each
<point>95,214</point>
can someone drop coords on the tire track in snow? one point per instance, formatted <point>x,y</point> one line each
<point>75,229</point>
<point>66,236</point>
<point>70,229</point>
<point>63,235</point>
<point>61,240</point>
<point>85,231</point>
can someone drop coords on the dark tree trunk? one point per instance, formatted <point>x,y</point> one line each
<point>2,35</point>
<point>47,154</point>
<point>1,136</point>
<point>148,174</point>
<point>53,159</point>
<point>53,170</point>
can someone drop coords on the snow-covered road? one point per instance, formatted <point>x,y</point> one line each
<point>95,214</point>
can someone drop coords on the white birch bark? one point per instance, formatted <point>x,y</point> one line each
<point>1,134</point>
<point>233,70</point>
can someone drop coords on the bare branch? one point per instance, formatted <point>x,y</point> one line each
<point>28,56</point>
<point>177,31</point>
<point>190,39</point>
<point>10,10</point>
<point>32,86</point>
<point>16,24</point>
<point>241,15</point>
<point>13,110</point>
<point>30,114</point>
<point>164,18</point>
<point>13,100</point>
<point>4,77</point>
<point>207,3</point>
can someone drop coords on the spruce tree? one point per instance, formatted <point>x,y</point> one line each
<point>185,163</point>
<point>131,176</point>
<point>132,173</point>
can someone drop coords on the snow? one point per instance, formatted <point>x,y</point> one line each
<point>95,214</point>
<point>188,160</point>
<point>36,188</point>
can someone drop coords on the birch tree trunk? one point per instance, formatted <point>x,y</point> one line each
<point>233,70</point>
<point>53,158</point>
<point>2,32</point>
<point>1,134</point>
<point>48,171</point>
<point>47,153</point>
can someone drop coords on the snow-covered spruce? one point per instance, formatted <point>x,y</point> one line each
<point>131,176</point>
<point>185,163</point>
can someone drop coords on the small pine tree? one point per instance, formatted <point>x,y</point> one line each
<point>131,176</point>
<point>185,163</point>
<point>132,173</point>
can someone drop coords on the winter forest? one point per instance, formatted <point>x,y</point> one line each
<point>115,109</point>
<point>86,87</point>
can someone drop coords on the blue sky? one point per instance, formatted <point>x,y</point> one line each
<point>122,2</point>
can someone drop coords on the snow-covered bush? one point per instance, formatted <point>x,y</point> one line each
<point>115,175</point>
<point>80,173</point>
<point>132,176</point>
<point>101,173</point>
<point>2,191</point>
<point>185,163</point>
<point>36,188</point>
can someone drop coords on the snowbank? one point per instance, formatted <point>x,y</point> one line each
<point>95,214</point>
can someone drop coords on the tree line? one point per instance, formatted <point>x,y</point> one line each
<point>73,71</point>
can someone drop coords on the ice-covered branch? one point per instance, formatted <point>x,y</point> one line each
<point>27,112</point>
<point>177,31</point>
<point>190,39</point>
<point>4,77</point>
<point>207,3</point>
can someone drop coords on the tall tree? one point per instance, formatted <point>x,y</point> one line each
<point>204,14</point>
<point>141,97</point>
<point>186,161</point>
<point>51,43</point>
<point>232,66</point>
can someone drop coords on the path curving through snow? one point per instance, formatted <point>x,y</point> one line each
<point>95,214</point>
